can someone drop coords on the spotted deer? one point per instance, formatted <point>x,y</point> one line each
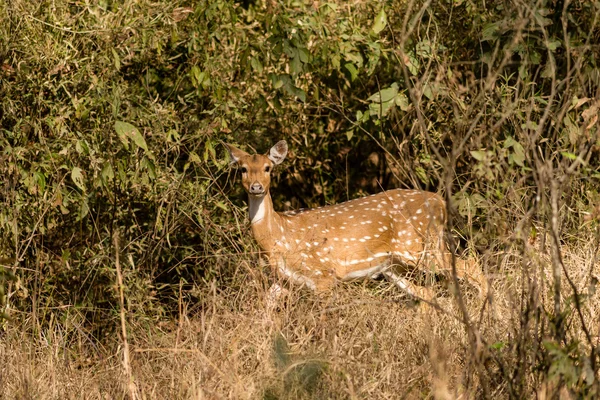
<point>394,233</point>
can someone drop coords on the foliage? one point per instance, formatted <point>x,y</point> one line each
<point>112,115</point>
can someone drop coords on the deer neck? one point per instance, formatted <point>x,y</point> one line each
<point>266,223</point>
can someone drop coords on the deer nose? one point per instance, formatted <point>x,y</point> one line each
<point>257,188</point>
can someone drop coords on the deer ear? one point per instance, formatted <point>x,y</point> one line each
<point>235,154</point>
<point>278,152</point>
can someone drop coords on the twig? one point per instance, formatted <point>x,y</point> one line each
<point>126,356</point>
<point>69,30</point>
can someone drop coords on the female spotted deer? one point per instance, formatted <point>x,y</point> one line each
<point>391,233</point>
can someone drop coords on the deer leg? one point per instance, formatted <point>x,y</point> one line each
<point>467,270</point>
<point>274,293</point>
<point>408,287</point>
<point>470,270</point>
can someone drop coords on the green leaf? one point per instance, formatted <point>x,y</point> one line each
<point>349,134</point>
<point>352,70</point>
<point>411,63</point>
<point>380,22</point>
<point>423,49</point>
<point>402,101</point>
<point>381,109</point>
<point>422,174</point>
<point>385,95</point>
<point>256,65</point>
<point>299,93</point>
<point>295,65</point>
<point>497,345</point>
<point>553,44</point>
<point>549,69</point>
<point>303,54</point>
<point>195,158</point>
<point>355,58</point>
<point>195,74</point>
<point>478,155</point>
<point>82,147</point>
<point>518,157</point>
<point>41,180</point>
<point>149,166</point>
<point>509,142</point>
<point>222,205</point>
<point>209,151</point>
<point>126,132</point>
<point>139,140</point>
<point>535,58</point>
<point>490,31</point>
<point>572,129</point>
<point>84,209</point>
<point>107,173</point>
<point>569,155</point>
<point>173,136</point>
<point>289,50</point>
<point>77,177</point>
<point>518,154</point>
<point>278,81</point>
<point>427,91</point>
<point>117,58</point>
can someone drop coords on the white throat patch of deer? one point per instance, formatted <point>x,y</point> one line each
<point>393,233</point>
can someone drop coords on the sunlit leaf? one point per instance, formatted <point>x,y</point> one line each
<point>497,345</point>
<point>195,158</point>
<point>195,74</point>
<point>173,136</point>
<point>411,63</point>
<point>427,91</point>
<point>552,45</point>
<point>381,109</point>
<point>385,95</point>
<point>222,205</point>
<point>127,131</point>
<point>568,155</point>
<point>77,177</point>
<point>139,140</point>
<point>107,172</point>
<point>402,101</point>
<point>380,22</point>
<point>518,155</point>
<point>479,155</point>
<point>116,58</point>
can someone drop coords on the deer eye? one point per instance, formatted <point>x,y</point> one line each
<point>267,169</point>
<point>244,170</point>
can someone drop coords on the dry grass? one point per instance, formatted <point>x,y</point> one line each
<point>362,341</point>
